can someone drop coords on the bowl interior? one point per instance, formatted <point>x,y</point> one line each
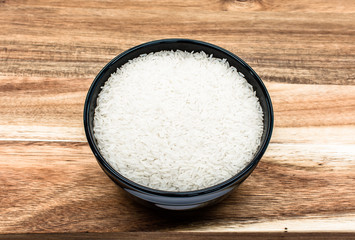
<point>184,45</point>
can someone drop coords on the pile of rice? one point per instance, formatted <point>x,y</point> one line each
<point>178,121</point>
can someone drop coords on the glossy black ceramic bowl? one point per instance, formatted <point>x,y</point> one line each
<point>178,200</point>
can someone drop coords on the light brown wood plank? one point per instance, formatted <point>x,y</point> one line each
<point>341,6</point>
<point>305,105</point>
<point>42,108</point>
<point>293,47</point>
<point>289,6</point>
<point>59,187</point>
<point>180,235</point>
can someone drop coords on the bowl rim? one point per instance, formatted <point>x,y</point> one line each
<point>136,186</point>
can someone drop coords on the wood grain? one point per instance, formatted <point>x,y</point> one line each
<point>172,236</point>
<point>50,51</point>
<point>212,5</point>
<point>313,47</point>
<point>58,186</point>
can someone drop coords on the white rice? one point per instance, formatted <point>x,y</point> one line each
<point>178,121</point>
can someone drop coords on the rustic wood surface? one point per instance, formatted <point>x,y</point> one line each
<point>50,51</point>
<point>183,235</point>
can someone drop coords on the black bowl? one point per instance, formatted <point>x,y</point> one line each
<point>178,200</point>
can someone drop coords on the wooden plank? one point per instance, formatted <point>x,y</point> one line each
<point>289,6</point>
<point>293,47</point>
<point>42,108</point>
<point>342,6</point>
<point>172,236</point>
<point>59,187</point>
<point>50,51</point>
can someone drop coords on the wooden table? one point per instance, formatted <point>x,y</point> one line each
<point>50,52</point>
